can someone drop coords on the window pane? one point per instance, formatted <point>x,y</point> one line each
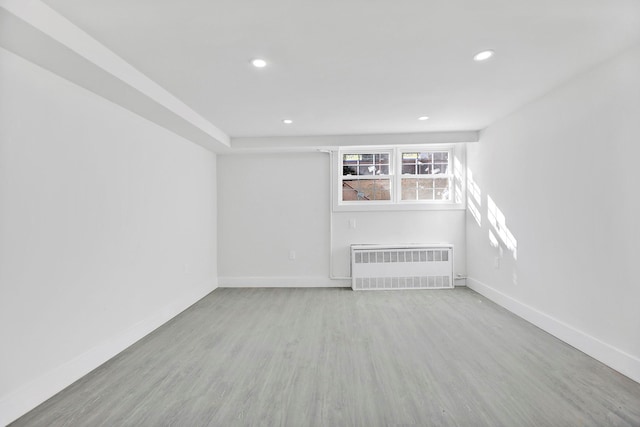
<point>425,168</point>
<point>366,170</point>
<point>425,163</point>
<point>409,162</point>
<point>425,189</point>
<point>441,157</point>
<point>365,164</point>
<point>366,158</point>
<point>382,158</point>
<point>366,189</point>
<point>350,164</point>
<point>441,189</point>
<point>408,189</point>
<point>439,168</point>
<point>408,169</point>
<point>349,170</point>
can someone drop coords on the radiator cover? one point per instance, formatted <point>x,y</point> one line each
<point>405,266</point>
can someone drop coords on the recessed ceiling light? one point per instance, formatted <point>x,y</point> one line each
<point>287,121</point>
<point>259,63</point>
<point>423,118</point>
<point>483,56</point>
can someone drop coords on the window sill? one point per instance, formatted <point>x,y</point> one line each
<point>399,207</point>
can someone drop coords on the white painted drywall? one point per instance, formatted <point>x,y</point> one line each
<point>564,172</point>
<point>273,203</point>
<point>106,230</point>
<point>392,227</point>
<point>269,205</point>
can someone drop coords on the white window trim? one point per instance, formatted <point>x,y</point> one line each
<point>448,175</point>
<point>458,179</point>
<point>390,176</point>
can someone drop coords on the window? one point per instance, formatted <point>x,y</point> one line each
<point>425,176</point>
<point>399,178</point>
<point>366,177</point>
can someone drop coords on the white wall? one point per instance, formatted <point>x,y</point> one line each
<point>433,226</point>
<point>106,231</point>
<point>563,170</point>
<point>271,204</point>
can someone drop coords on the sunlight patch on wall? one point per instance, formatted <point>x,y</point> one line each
<point>475,213</point>
<point>474,198</point>
<point>499,224</point>
<point>493,240</point>
<point>458,178</point>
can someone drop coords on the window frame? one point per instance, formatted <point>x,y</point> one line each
<point>342,177</point>
<point>455,174</point>
<point>449,175</point>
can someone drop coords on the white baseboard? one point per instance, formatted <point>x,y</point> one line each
<point>282,282</point>
<point>611,356</point>
<point>19,402</point>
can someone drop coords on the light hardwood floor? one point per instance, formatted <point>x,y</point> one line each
<point>333,357</point>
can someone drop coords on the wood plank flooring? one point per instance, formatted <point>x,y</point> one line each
<point>333,357</point>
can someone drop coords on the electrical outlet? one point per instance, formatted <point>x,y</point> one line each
<point>292,255</point>
<point>352,223</point>
<point>496,262</point>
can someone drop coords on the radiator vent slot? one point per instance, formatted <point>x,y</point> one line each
<point>416,266</point>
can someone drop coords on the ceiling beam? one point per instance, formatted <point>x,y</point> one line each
<point>36,32</point>
<point>305,143</point>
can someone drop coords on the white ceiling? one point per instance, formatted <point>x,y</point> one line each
<point>339,67</point>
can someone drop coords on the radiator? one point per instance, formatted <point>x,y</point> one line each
<point>413,266</point>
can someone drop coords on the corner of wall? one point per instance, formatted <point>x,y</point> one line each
<point>611,356</point>
<point>19,402</point>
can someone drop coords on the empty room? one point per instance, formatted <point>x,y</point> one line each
<point>319,213</point>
